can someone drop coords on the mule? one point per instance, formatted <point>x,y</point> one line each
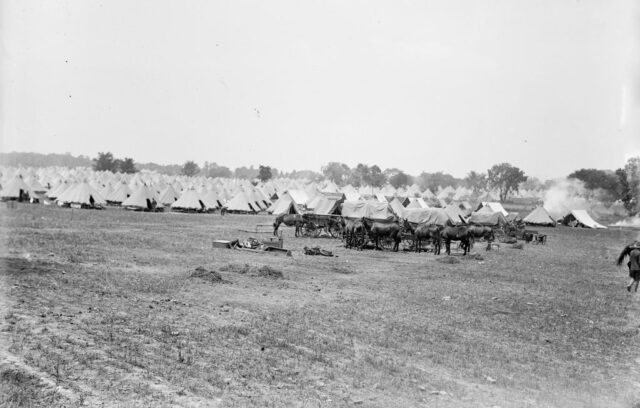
<point>424,232</point>
<point>290,220</point>
<point>353,233</point>
<point>456,233</point>
<point>378,230</point>
<point>483,232</point>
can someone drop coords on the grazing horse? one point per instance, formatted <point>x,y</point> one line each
<point>425,232</point>
<point>290,220</point>
<point>456,233</point>
<point>377,230</point>
<point>479,231</point>
<point>353,233</point>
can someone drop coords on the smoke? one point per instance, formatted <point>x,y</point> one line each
<point>629,222</point>
<point>565,195</point>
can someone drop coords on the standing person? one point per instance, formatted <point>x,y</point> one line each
<point>633,252</point>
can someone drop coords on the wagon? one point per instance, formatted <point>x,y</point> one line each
<point>317,224</point>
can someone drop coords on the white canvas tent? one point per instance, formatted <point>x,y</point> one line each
<point>582,219</point>
<point>539,216</point>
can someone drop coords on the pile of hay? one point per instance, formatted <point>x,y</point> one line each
<point>211,276</point>
<point>448,260</point>
<point>253,270</point>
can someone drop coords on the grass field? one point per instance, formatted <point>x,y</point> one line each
<point>100,308</point>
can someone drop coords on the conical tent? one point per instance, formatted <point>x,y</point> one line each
<point>119,194</point>
<point>15,189</point>
<point>539,216</point>
<point>210,199</point>
<point>143,198</point>
<point>189,201</point>
<point>168,196</point>
<point>241,203</point>
<point>81,194</point>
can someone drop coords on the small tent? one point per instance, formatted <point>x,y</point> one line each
<point>494,207</point>
<point>539,216</point>
<point>168,196</point>
<point>119,194</point>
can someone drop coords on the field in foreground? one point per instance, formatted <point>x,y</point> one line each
<point>101,308</point>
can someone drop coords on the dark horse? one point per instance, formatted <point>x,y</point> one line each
<point>456,233</point>
<point>290,220</point>
<point>425,232</point>
<point>377,230</point>
<point>353,233</point>
<point>482,232</point>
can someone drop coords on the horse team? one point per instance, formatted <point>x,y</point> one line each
<point>359,231</point>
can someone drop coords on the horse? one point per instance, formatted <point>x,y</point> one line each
<point>377,230</point>
<point>631,251</point>
<point>456,233</point>
<point>351,230</point>
<point>425,232</point>
<point>290,220</point>
<point>479,231</point>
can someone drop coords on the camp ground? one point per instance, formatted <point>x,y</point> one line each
<point>174,291</point>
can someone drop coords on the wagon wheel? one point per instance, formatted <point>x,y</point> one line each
<point>386,243</point>
<point>309,230</point>
<point>334,231</point>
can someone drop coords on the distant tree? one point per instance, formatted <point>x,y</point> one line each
<point>246,173</point>
<point>376,177</point>
<point>360,175</point>
<point>213,170</point>
<point>336,172</point>
<point>104,162</point>
<point>399,179</point>
<point>128,166</point>
<point>629,179</point>
<point>264,173</point>
<point>303,174</point>
<point>190,168</point>
<point>506,178</point>
<point>532,183</point>
<point>594,179</point>
<point>438,179</point>
<point>476,181</point>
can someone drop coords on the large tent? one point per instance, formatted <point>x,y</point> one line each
<point>580,218</point>
<point>539,216</point>
<point>168,196</point>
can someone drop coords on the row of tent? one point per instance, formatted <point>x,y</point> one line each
<point>151,190</point>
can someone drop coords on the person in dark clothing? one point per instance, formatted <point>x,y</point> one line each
<point>633,252</point>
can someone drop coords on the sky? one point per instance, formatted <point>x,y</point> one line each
<point>549,86</point>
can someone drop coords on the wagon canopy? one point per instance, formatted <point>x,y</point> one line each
<point>489,219</point>
<point>437,216</point>
<point>374,210</point>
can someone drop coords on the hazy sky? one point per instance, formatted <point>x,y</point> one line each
<point>550,86</point>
